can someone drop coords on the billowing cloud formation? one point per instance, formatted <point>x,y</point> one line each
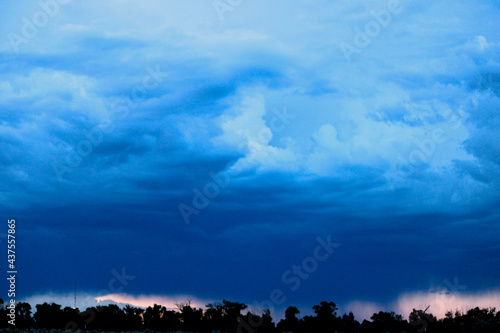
<point>204,150</point>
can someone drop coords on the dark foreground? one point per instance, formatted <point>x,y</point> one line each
<point>232,317</point>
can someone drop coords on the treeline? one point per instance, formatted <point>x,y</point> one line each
<point>231,317</point>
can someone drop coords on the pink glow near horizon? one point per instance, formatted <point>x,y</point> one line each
<point>439,302</point>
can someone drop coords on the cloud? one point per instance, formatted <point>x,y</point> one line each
<point>145,301</point>
<point>246,131</point>
<point>363,310</point>
<point>439,302</point>
<point>399,144</point>
<point>445,301</point>
<point>85,300</point>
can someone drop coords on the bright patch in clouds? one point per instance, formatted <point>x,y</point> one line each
<point>439,303</point>
<point>144,301</point>
<point>246,131</point>
<point>86,300</point>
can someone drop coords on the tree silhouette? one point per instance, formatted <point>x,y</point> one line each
<point>170,321</point>
<point>23,315</point>
<point>291,322</point>
<point>388,322</point>
<point>107,318</point>
<point>3,314</point>
<point>326,317</point>
<point>231,311</point>
<point>225,317</point>
<point>349,324</point>
<point>477,320</point>
<point>267,322</point>
<point>213,317</point>
<point>152,317</point>
<point>49,316</point>
<point>133,318</point>
<point>73,319</point>
<point>421,321</point>
<point>191,318</point>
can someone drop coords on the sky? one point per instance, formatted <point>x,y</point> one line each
<point>273,153</point>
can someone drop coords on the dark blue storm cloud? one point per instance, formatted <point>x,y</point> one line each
<point>205,152</point>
